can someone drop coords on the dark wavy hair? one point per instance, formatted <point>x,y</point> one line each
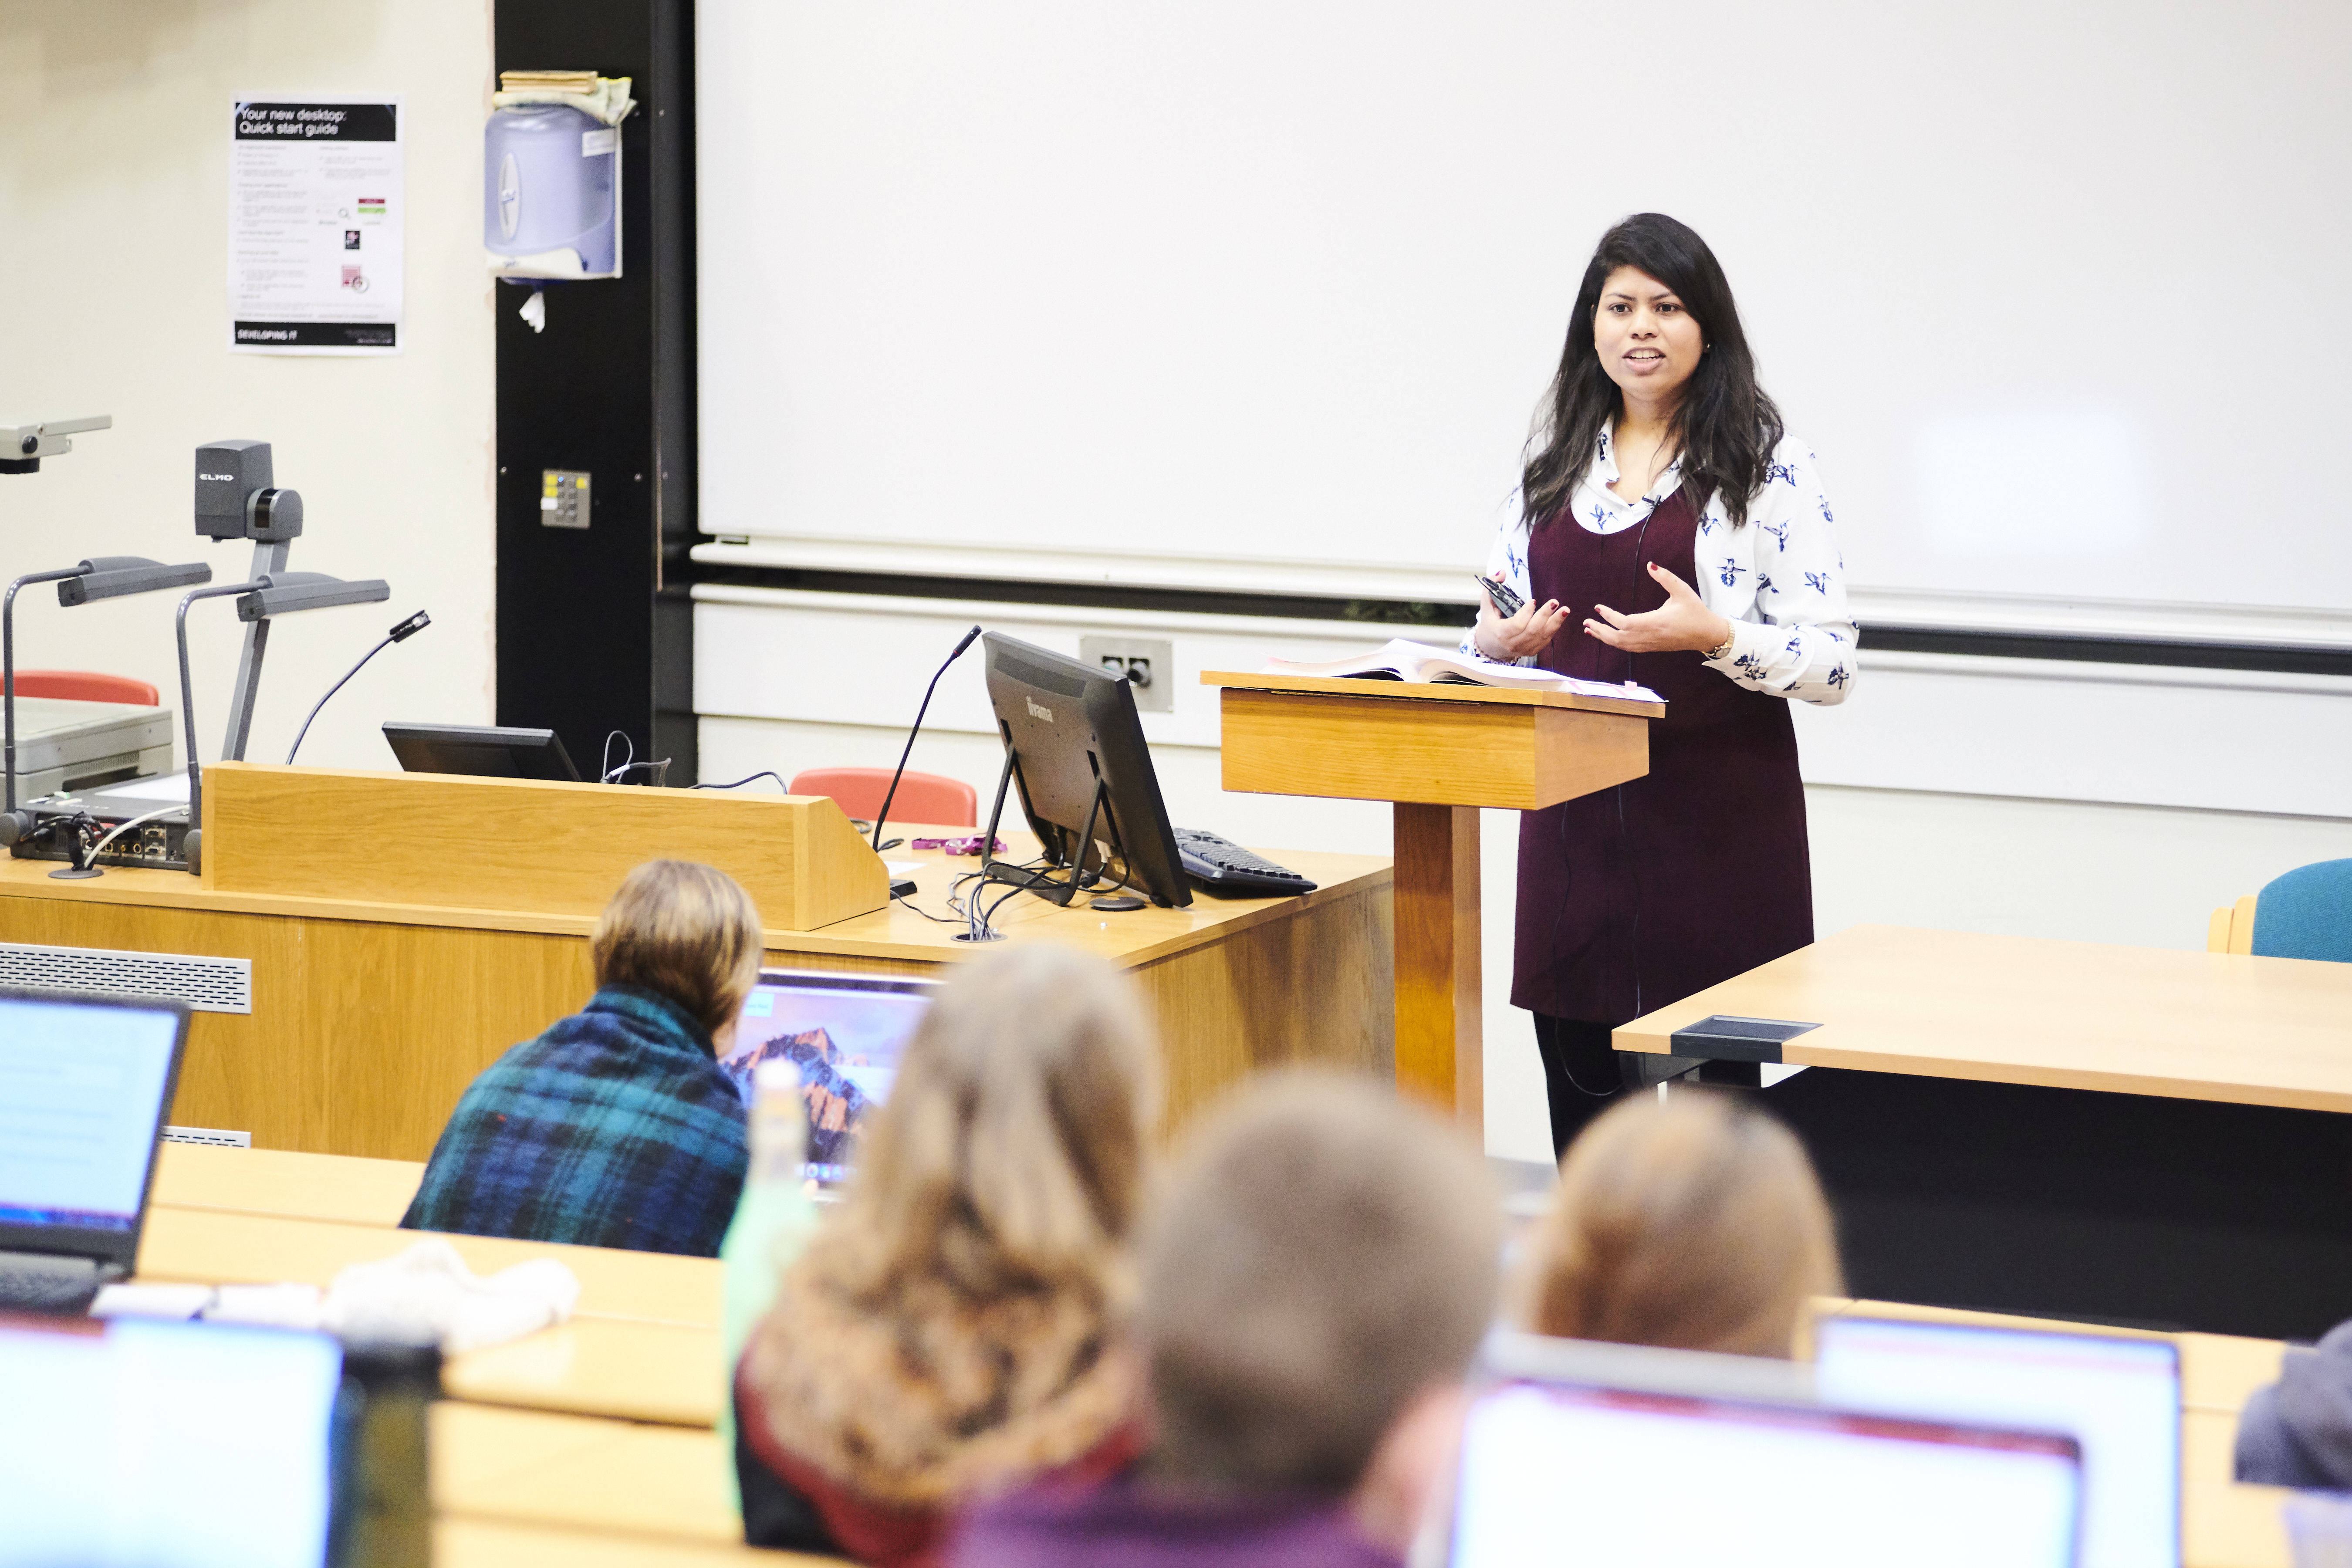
<point>1725,426</point>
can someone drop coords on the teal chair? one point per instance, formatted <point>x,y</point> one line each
<point>2308,913</point>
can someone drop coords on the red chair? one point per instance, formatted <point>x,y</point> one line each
<point>931,799</point>
<point>84,686</point>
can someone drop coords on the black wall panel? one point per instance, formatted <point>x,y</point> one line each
<point>595,630</point>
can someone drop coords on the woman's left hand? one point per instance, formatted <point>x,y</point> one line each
<point>1683,621</point>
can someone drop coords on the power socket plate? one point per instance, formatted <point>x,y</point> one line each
<point>1157,654</point>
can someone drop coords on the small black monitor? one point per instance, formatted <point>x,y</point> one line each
<point>1073,748</point>
<point>480,750</point>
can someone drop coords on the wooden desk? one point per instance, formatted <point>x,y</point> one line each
<point>2068,1128</point>
<point>2065,1014</point>
<point>339,1187</point>
<point>462,1543</point>
<point>635,1367</point>
<point>626,1369</point>
<point>371,1018</point>
<point>581,1473</point>
<point>602,1425</point>
<point>220,1246</point>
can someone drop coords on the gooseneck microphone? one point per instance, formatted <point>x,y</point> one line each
<point>14,826</point>
<point>879,817</point>
<point>400,633</point>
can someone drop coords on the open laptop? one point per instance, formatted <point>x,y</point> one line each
<point>1613,1458</point>
<point>845,1033</point>
<point>85,1083</point>
<point>2120,1397</point>
<point>146,1445</point>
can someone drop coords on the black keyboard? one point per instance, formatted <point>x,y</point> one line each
<point>1224,867</point>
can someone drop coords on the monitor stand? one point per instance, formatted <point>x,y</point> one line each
<point>1060,893</point>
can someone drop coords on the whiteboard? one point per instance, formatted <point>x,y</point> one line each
<point>2055,291</point>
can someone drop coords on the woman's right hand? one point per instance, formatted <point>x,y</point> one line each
<point>1529,632</point>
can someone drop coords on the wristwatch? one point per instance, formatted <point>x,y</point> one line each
<point>1723,648</point>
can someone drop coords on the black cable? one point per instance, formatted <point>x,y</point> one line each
<point>303,733</point>
<point>400,633</point>
<point>738,784</point>
<point>935,920</point>
<point>892,794</point>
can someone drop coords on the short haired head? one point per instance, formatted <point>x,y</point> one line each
<point>685,930</point>
<point>1323,1253</point>
<point>1009,1156</point>
<point>1695,1223</point>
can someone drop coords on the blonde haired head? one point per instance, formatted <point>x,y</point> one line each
<point>952,1326</point>
<point>1695,1223</point>
<point>683,930</point>
<point>1010,1154</point>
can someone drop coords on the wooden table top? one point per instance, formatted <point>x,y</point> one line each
<point>463,1542</point>
<point>1431,691</point>
<point>581,1473</point>
<point>1137,937</point>
<point>339,1187</point>
<point>219,1246</point>
<point>2066,1015</point>
<point>666,1374</point>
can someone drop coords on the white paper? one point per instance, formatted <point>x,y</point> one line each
<point>170,789</point>
<point>288,1306</point>
<point>177,1302</point>
<point>902,867</point>
<point>316,204</point>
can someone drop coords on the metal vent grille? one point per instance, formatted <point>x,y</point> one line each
<point>211,1137</point>
<point>206,984</point>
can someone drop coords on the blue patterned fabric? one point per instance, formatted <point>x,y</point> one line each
<point>615,1127</point>
<point>2308,913</point>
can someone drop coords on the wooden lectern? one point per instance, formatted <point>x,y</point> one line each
<point>522,845</point>
<point>1439,751</point>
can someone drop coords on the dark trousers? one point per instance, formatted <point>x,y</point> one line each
<point>1581,1075</point>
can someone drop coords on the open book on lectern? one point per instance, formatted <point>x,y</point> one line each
<point>1400,661</point>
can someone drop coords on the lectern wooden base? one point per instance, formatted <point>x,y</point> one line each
<point>1439,752</point>
<point>1440,1026</point>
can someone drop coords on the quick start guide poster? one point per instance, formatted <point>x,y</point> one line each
<point>316,204</point>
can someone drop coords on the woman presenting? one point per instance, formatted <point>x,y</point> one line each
<point>1664,497</point>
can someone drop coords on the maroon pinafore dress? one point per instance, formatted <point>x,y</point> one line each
<point>1638,896</point>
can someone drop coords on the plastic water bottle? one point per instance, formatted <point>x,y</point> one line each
<point>772,1221</point>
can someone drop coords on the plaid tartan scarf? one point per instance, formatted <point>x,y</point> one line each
<point>615,1127</point>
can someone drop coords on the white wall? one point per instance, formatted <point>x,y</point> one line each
<point>114,250</point>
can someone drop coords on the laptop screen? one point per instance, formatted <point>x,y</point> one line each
<point>165,1444</point>
<point>845,1033</point>
<point>1556,1474</point>
<point>83,1084</point>
<point>2120,1398</point>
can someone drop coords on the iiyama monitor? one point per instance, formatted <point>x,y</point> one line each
<point>480,750</point>
<point>1073,750</point>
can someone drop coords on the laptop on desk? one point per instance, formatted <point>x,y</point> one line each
<point>85,1083</point>
<point>845,1034</point>
<point>1618,1454</point>
<point>2118,1396</point>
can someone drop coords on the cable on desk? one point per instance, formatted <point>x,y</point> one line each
<point>738,784</point>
